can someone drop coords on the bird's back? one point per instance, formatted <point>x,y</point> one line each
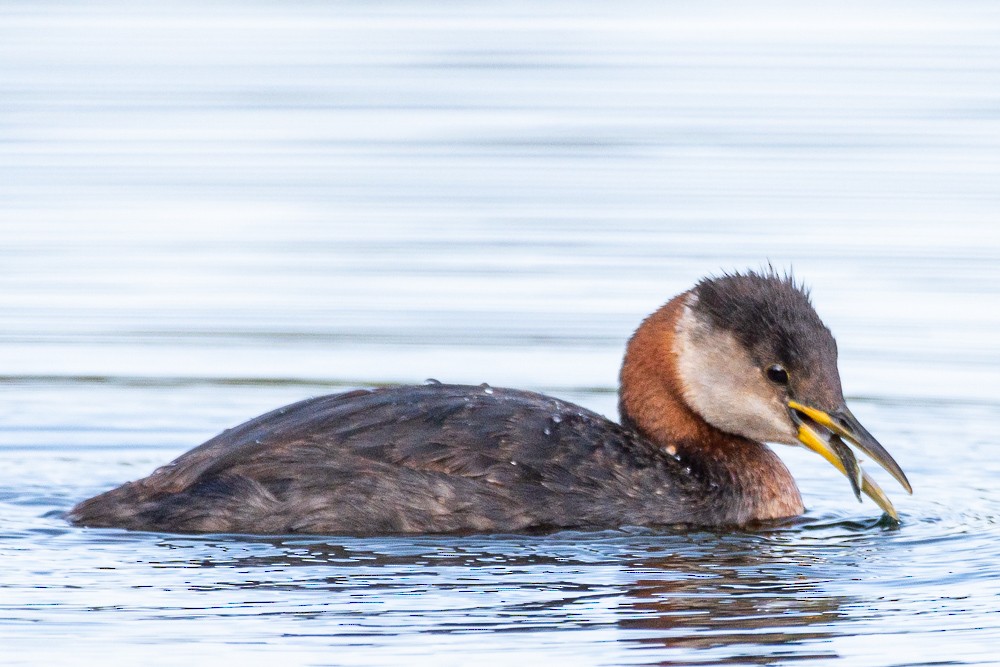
<point>430,458</point>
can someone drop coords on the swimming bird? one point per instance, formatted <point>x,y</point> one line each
<point>737,361</point>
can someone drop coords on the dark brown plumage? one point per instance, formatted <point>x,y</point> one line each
<point>434,458</point>
<point>451,458</point>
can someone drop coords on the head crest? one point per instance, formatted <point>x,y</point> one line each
<point>768,312</point>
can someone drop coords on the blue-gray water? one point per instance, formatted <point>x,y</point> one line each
<point>210,210</point>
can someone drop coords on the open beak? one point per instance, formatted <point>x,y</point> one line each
<point>825,432</point>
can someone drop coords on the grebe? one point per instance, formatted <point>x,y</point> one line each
<point>737,361</point>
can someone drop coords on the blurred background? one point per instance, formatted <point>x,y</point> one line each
<point>383,192</point>
<point>209,210</point>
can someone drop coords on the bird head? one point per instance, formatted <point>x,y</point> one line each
<point>754,359</point>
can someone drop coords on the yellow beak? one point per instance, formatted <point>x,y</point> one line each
<point>822,432</point>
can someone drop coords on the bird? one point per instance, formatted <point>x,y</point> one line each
<point>738,361</point>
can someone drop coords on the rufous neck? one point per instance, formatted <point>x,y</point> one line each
<point>651,401</point>
<point>650,397</point>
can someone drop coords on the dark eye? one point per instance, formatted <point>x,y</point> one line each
<point>777,374</point>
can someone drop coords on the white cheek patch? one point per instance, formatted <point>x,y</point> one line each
<point>724,386</point>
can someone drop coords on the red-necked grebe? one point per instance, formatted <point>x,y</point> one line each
<point>733,363</point>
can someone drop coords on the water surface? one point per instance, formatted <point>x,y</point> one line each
<point>210,212</point>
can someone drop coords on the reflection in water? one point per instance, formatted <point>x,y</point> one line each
<point>739,597</point>
<point>750,604</point>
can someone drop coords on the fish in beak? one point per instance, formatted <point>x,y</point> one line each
<point>825,433</point>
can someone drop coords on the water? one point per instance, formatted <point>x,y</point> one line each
<point>208,212</point>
